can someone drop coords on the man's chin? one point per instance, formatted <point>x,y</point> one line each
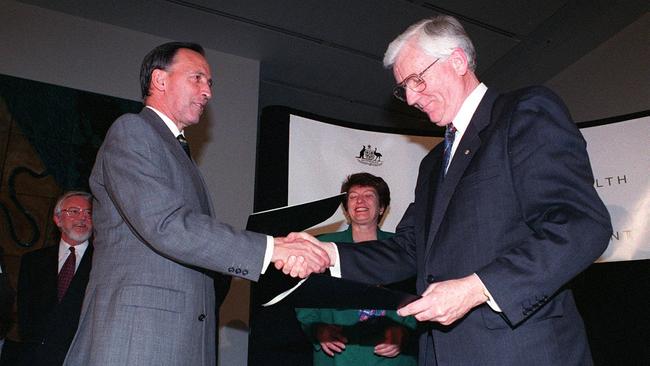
<point>440,123</point>
<point>80,237</point>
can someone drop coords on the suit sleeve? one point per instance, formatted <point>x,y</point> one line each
<point>154,195</point>
<point>383,261</point>
<point>569,225</point>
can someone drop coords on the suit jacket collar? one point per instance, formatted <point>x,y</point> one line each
<point>467,148</point>
<point>80,280</point>
<point>166,135</point>
<point>179,154</point>
<point>50,271</point>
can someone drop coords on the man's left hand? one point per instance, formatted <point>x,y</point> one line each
<point>447,301</point>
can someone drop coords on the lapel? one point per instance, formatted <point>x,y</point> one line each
<point>179,154</point>
<point>467,148</point>
<point>50,272</point>
<point>431,182</point>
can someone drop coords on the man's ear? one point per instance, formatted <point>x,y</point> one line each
<point>458,60</point>
<point>57,220</point>
<point>158,79</point>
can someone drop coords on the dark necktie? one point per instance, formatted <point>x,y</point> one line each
<point>450,134</point>
<point>66,274</point>
<point>181,139</point>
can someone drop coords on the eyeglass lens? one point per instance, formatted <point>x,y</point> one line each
<point>412,82</point>
<point>75,212</point>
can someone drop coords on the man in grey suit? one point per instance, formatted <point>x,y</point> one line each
<point>150,299</point>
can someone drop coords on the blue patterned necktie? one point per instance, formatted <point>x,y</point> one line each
<point>450,134</point>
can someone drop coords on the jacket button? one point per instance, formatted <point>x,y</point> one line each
<point>201,317</point>
<point>231,269</point>
<point>244,272</point>
<point>431,279</point>
<point>238,271</point>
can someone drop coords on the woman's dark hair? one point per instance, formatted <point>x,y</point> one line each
<point>367,180</point>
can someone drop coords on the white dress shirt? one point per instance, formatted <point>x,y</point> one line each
<point>64,252</point>
<point>464,115</point>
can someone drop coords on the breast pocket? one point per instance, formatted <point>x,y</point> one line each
<point>152,297</point>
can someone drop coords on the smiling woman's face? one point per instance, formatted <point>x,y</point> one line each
<point>363,205</point>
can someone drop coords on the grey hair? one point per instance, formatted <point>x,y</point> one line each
<point>437,36</point>
<point>65,196</point>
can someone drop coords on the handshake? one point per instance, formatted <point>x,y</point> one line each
<point>300,254</point>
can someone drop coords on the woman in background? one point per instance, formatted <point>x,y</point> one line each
<point>364,336</point>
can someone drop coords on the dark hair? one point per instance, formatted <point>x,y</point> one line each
<point>367,180</point>
<point>160,58</point>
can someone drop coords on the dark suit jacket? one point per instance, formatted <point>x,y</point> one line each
<point>47,326</point>
<point>518,208</point>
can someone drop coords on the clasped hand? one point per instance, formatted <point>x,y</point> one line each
<point>333,341</point>
<point>298,257</point>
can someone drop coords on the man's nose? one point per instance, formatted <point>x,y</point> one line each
<point>412,98</point>
<point>206,92</point>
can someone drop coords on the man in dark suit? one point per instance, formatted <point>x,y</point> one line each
<point>505,214</point>
<point>7,295</point>
<point>151,298</point>
<point>52,283</point>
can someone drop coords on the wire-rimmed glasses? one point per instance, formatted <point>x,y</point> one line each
<point>76,212</point>
<point>413,82</point>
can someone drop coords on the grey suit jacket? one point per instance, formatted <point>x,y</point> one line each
<point>150,300</point>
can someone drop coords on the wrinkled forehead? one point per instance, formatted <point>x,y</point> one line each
<point>189,59</point>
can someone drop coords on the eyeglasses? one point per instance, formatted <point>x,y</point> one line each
<point>413,82</point>
<point>76,212</point>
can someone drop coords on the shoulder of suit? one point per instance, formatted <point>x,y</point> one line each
<point>40,253</point>
<point>132,124</point>
<point>530,92</point>
<point>131,119</point>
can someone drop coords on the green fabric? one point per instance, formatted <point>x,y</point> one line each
<point>362,336</point>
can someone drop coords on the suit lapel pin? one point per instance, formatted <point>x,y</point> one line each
<point>467,152</point>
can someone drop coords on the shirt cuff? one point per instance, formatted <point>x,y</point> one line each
<point>335,270</point>
<point>490,300</point>
<point>268,253</point>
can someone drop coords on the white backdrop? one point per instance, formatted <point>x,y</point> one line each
<point>332,151</point>
<point>619,154</point>
<point>620,159</point>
